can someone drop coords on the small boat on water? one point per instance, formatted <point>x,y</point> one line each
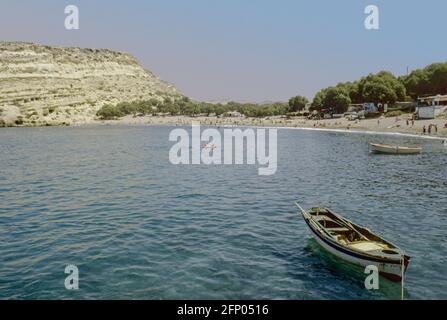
<point>355,244</point>
<point>389,149</point>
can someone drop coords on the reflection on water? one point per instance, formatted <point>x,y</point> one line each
<point>107,200</point>
<point>350,273</point>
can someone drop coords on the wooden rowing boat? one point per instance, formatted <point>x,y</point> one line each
<point>355,244</point>
<point>389,149</point>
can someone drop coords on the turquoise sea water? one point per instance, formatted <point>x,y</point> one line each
<point>107,200</point>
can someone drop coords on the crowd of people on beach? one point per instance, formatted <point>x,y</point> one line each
<point>431,127</point>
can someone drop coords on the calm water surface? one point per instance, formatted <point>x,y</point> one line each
<point>107,200</point>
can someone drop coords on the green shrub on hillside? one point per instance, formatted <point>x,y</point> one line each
<point>109,112</point>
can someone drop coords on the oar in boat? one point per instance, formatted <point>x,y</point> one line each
<point>350,226</point>
<point>298,205</point>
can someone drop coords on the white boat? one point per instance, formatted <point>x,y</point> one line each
<point>389,149</point>
<point>355,244</point>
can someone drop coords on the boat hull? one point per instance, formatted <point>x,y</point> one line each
<point>377,148</point>
<point>391,270</point>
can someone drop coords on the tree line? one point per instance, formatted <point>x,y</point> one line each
<point>430,80</point>
<point>185,106</point>
<point>382,87</point>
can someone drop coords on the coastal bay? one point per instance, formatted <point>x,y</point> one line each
<point>107,199</point>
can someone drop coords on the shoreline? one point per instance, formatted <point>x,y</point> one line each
<point>384,133</point>
<point>395,126</point>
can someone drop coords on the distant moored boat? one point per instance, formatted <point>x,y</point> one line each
<point>389,149</point>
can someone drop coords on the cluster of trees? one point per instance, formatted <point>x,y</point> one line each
<point>382,87</point>
<point>297,103</point>
<point>431,80</point>
<point>258,110</point>
<point>185,106</point>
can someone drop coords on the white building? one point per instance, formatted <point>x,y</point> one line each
<point>438,100</point>
<point>429,107</point>
<point>425,112</point>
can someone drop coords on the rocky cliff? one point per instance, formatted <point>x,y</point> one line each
<point>42,85</point>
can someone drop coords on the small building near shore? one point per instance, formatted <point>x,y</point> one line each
<point>438,100</point>
<point>429,106</point>
<point>425,112</point>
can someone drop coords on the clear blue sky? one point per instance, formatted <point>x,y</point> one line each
<point>244,50</point>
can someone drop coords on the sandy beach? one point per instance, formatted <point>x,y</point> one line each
<point>391,125</point>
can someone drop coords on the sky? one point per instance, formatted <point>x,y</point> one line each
<point>244,50</point>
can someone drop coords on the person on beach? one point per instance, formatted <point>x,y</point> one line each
<point>424,129</point>
<point>429,128</point>
<point>408,122</point>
